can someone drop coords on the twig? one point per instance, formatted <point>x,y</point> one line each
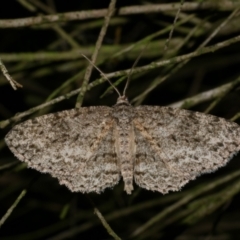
<point>27,5</point>
<point>183,201</point>
<point>72,79</point>
<point>121,52</point>
<point>12,82</point>
<point>177,59</point>
<point>153,65</point>
<point>204,43</point>
<point>222,94</point>
<point>140,98</point>
<point>173,25</point>
<point>91,14</point>
<point>106,225</point>
<point>223,24</point>
<point>17,117</point>
<point>76,54</point>
<point>8,165</point>
<point>198,208</point>
<point>157,81</point>
<point>9,211</point>
<point>89,69</point>
<point>235,117</point>
<point>205,96</point>
<point>56,27</point>
<point>106,51</point>
<point>102,219</point>
<point>151,37</point>
<point>42,6</point>
<point>127,211</point>
<point>208,204</point>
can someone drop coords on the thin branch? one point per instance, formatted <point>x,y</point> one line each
<point>197,209</point>
<point>12,82</point>
<point>158,217</point>
<point>56,27</point>
<point>9,211</point>
<point>27,5</point>
<point>205,96</point>
<point>137,45</point>
<point>8,165</point>
<point>223,91</point>
<point>235,117</point>
<point>152,65</point>
<point>19,116</point>
<point>217,30</point>
<point>206,205</point>
<point>44,7</point>
<point>177,59</point>
<point>222,94</point>
<point>140,98</point>
<point>106,225</point>
<point>89,69</point>
<point>173,25</point>
<point>157,81</point>
<point>107,51</point>
<point>91,14</point>
<point>127,211</point>
<point>150,37</point>
<point>65,84</point>
<point>76,54</point>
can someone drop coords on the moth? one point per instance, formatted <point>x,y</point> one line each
<point>91,148</point>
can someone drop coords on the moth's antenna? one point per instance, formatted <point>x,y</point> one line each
<point>133,66</point>
<point>103,75</point>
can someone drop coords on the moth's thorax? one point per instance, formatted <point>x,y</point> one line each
<point>123,112</point>
<point>122,99</point>
<point>125,141</point>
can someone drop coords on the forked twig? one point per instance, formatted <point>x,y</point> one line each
<point>12,82</point>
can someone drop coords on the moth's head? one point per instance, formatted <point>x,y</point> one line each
<point>122,100</point>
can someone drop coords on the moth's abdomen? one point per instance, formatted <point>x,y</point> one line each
<point>125,148</point>
<point>125,144</point>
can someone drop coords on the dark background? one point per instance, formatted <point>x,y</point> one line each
<point>51,211</point>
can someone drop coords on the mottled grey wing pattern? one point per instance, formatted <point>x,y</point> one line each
<point>174,146</point>
<point>76,146</point>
